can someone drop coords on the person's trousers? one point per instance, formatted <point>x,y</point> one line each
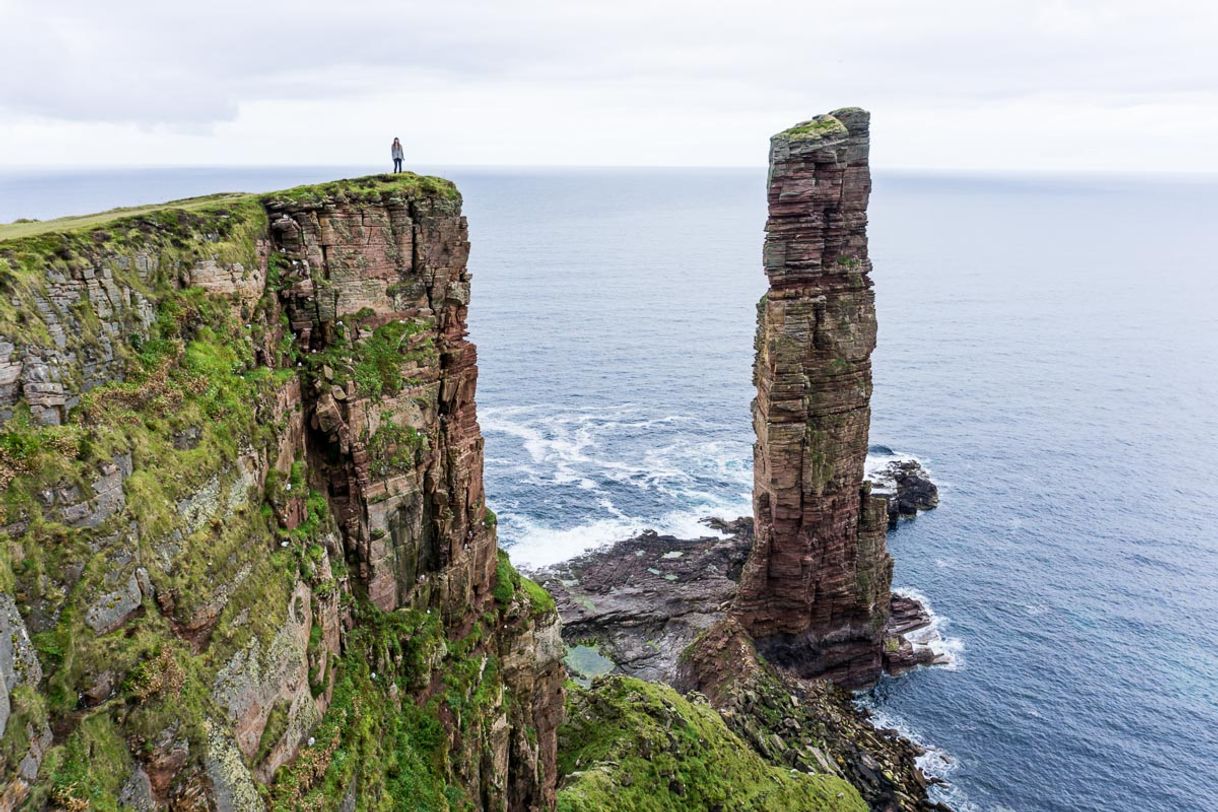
<point>397,164</point>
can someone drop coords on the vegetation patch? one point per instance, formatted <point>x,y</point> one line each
<point>374,741</point>
<point>393,449</point>
<point>86,222</point>
<point>540,601</point>
<point>368,189</point>
<point>633,745</point>
<point>375,361</point>
<point>507,580</point>
<point>818,127</point>
<point>88,770</point>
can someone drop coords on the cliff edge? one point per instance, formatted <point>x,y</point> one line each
<point>247,560</point>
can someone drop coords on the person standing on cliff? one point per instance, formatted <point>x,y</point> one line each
<point>398,155</point>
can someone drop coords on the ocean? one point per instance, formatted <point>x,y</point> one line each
<point>1047,349</point>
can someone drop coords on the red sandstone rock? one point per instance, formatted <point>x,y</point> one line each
<point>814,593</point>
<point>417,532</point>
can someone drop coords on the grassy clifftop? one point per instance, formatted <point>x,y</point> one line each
<point>370,187</point>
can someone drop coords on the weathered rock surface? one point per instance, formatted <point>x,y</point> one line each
<point>658,608</point>
<point>644,600</point>
<point>907,487</point>
<point>248,558</point>
<point>903,648</point>
<point>814,592</point>
<point>810,725</point>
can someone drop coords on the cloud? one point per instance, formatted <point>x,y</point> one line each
<point>174,74</point>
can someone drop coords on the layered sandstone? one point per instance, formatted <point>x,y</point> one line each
<point>814,593</point>
<point>247,556</point>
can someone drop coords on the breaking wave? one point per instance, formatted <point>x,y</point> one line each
<point>568,482</point>
<point>949,650</point>
<point>935,763</point>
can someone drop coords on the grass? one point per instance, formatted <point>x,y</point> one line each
<point>817,127</point>
<point>86,222</point>
<point>368,188</point>
<point>507,581</point>
<point>633,745</point>
<point>375,361</point>
<point>376,737</point>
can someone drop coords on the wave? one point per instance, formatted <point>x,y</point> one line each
<point>948,650</point>
<point>934,762</point>
<point>620,446</point>
<point>570,481</point>
<point>876,467</point>
<point>535,545</point>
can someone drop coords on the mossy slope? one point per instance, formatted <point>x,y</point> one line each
<point>639,746</point>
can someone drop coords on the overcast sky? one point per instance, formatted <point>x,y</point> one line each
<point>969,84</point>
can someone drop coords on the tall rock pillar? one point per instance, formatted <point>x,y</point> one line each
<point>815,591</point>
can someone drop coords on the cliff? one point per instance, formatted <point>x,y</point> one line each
<point>247,563</point>
<point>814,593</point>
<point>246,556</point>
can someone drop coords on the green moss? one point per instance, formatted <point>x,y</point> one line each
<point>506,580</point>
<point>393,449</point>
<point>632,745</point>
<point>88,770</point>
<point>276,726</point>
<point>373,739</point>
<point>368,189</point>
<point>510,584</point>
<point>819,460</point>
<point>817,127</point>
<point>27,713</point>
<point>375,361</point>
<point>392,758</point>
<point>541,601</point>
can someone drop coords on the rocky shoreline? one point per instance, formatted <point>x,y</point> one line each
<point>637,606</point>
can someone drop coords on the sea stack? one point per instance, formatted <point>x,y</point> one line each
<point>814,593</point>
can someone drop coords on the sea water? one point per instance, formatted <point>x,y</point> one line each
<point>1047,349</point>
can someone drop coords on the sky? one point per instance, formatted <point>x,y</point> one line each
<point>1014,85</point>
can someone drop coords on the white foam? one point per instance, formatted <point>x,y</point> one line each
<point>534,545</point>
<point>875,468</point>
<point>602,451</point>
<point>934,762</point>
<point>948,650</point>
<point>580,447</point>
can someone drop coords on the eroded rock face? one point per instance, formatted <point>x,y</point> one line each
<point>245,518</point>
<point>814,593</point>
<point>907,487</point>
<point>644,600</point>
<point>808,724</point>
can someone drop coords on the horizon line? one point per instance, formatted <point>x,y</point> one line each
<point>428,168</point>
